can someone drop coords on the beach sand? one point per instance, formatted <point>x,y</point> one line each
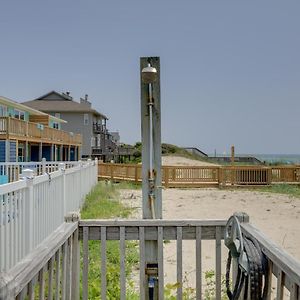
<point>277,216</point>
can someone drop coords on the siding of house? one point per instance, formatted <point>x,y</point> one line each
<point>75,124</point>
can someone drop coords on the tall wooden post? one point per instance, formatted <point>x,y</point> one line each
<point>232,154</point>
<point>151,188</point>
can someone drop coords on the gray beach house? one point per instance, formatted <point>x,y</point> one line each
<point>81,118</point>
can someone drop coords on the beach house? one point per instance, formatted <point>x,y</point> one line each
<point>81,118</point>
<point>27,134</point>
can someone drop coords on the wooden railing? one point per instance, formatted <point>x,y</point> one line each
<point>10,127</point>
<point>57,259</point>
<point>186,176</point>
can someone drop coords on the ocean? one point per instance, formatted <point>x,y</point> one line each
<point>272,158</point>
<point>282,158</point>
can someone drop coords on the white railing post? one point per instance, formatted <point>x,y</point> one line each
<point>81,192</point>
<point>96,172</point>
<point>43,165</point>
<point>62,168</point>
<point>28,175</point>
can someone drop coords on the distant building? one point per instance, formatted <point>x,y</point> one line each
<point>81,118</point>
<point>27,134</point>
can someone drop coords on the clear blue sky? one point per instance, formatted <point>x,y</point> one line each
<point>230,69</point>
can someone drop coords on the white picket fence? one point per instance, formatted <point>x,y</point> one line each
<point>11,171</point>
<point>33,207</point>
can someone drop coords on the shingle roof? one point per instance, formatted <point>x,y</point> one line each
<point>62,104</point>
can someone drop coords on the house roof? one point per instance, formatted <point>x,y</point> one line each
<point>61,103</point>
<point>30,110</point>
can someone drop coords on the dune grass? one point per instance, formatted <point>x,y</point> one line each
<point>103,203</point>
<point>285,189</point>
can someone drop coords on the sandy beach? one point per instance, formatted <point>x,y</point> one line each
<point>277,216</point>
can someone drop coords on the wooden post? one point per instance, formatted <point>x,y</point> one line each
<point>232,154</point>
<point>40,151</point>
<point>151,247</point>
<point>136,174</point>
<point>166,176</point>
<point>75,272</point>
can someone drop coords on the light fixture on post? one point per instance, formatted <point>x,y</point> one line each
<point>149,74</point>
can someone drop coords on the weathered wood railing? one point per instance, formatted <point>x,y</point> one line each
<point>51,269</point>
<point>199,176</point>
<point>57,259</point>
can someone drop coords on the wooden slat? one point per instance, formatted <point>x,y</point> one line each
<point>122,264</point>
<point>179,263</point>
<point>50,278</point>
<point>269,283</point>
<point>218,263</point>
<point>142,263</point>
<point>75,267</point>
<point>198,264</point>
<point>280,285</point>
<point>68,268</point>
<point>31,290</point>
<point>151,223</point>
<point>188,233</point>
<point>85,263</point>
<point>57,275</point>
<point>64,271</point>
<point>294,292</point>
<point>160,259</point>
<point>103,262</point>
<point>41,285</point>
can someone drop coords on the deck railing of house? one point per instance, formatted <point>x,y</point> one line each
<point>32,208</point>
<point>57,260</point>
<point>199,176</point>
<point>11,127</point>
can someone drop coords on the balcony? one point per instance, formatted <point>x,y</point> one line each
<point>99,128</point>
<point>11,128</point>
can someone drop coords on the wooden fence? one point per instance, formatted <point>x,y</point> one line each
<point>202,176</point>
<point>54,268</point>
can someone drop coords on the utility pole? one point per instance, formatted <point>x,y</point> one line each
<point>151,165</point>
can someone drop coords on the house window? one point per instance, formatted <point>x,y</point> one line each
<point>55,125</point>
<point>85,119</point>
<point>93,141</point>
<point>19,114</point>
<point>3,111</point>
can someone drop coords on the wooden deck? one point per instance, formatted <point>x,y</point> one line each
<point>11,128</point>
<point>205,176</point>
<point>54,267</point>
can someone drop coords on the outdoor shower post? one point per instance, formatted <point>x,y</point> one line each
<point>151,165</point>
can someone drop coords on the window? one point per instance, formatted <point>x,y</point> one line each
<point>18,114</point>
<point>55,125</point>
<point>93,141</point>
<point>3,111</point>
<point>85,119</point>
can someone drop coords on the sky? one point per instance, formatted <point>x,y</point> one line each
<point>230,70</point>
